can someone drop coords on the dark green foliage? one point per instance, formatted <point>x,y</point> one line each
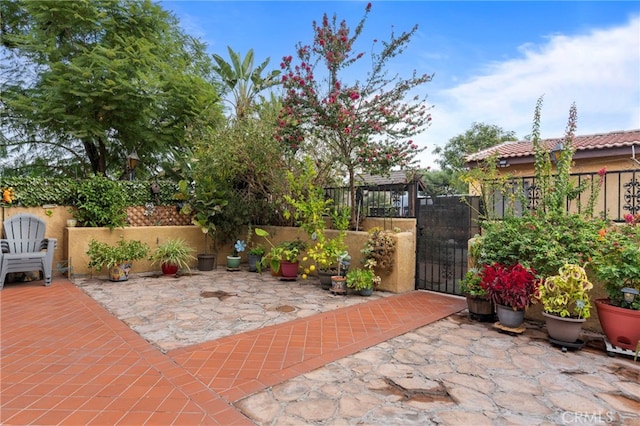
<point>480,136</point>
<point>36,191</point>
<point>543,242</point>
<point>87,82</point>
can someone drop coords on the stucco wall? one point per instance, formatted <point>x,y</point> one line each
<point>74,242</point>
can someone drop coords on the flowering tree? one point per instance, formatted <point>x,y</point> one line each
<point>362,126</point>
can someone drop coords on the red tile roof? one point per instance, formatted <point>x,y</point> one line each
<point>610,140</point>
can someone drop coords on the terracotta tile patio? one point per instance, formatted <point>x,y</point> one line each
<point>66,360</point>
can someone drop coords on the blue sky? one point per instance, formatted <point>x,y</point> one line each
<point>491,60</point>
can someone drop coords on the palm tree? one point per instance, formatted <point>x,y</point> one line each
<point>243,81</point>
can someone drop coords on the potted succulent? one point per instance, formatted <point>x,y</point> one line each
<point>565,302</point>
<point>479,304</point>
<point>233,260</point>
<point>512,288</point>
<point>617,266</point>
<point>117,258</point>
<point>172,255</point>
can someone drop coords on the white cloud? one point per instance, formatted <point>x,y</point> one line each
<point>599,71</point>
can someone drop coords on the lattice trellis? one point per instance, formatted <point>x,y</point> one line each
<point>156,216</point>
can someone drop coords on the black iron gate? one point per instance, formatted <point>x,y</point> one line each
<point>445,225</point>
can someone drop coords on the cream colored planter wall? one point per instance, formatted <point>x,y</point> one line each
<point>73,243</point>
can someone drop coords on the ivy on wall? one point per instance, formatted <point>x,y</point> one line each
<point>37,191</point>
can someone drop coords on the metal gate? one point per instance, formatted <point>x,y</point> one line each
<point>445,225</point>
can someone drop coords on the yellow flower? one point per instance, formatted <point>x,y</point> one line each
<point>312,268</point>
<point>304,276</point>
<point>7,195</point>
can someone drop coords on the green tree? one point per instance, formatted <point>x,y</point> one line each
<point>85,82</point>
<point>452,156</point>
<point>480,136</point>
<point>359,126</point>
<point>243,80</point>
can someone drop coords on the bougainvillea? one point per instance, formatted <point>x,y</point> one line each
<point>362,125</point>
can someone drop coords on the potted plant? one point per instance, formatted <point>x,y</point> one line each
<point>255,252</point>
<point>339,281</point>
<point>117,258</point>
<point>331,258</point>
<point>254,257</point>
<point>172,255</point>
<point>203,202</point>
<point>363,280</point>
<point>512,288</point>
<point>287,255</point>
<point>479,304</point>
<point>565,302</point>
<point>380,247</point>
<point>233,260</point>
<point>617,266</point>
<point>272,258</point>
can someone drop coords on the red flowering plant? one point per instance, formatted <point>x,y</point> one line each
<point>514,286</point>
<point>360,126</point>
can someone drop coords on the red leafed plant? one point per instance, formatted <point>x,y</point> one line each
<point>514,286</point>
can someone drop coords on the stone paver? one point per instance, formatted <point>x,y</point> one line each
<point>452,372</point>
<point>172,312</point>
<point>482,380</point>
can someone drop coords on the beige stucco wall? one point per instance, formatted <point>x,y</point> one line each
<point>74,242</point>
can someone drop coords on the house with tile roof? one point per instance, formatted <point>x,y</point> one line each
<point>616,152</point>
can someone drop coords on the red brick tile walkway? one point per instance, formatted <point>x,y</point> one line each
<point>65,360</point>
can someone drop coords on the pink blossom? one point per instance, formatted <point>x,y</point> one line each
<point>602,171</point>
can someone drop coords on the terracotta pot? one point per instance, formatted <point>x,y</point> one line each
<point>169,268</point>
<point>620,325</point>
<point>508,317</point>
<point>565,330</point>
